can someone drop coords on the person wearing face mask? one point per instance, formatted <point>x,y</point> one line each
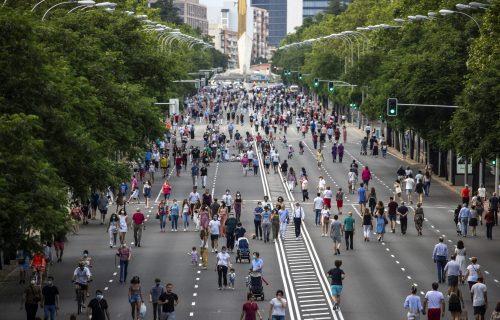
<point>98,307</point>
<point>154,295</point>
<point>214,227</point>
<point>50,299</point>
<point>223,263</point>
<point>228,200</point>
<point>32,296</point>
<point>81,277</point>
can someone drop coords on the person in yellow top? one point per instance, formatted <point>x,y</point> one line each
<point>319,158</point>
<point>164,165</point>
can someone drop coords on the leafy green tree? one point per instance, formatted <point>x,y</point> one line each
<point>168,11</point>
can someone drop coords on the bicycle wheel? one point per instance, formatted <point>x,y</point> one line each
<point>79,299</point>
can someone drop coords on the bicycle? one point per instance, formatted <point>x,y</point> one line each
<point>80,296</point>
<point>36,275</point>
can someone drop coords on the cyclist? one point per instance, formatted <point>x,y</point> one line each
<point>38,265</point>
<point>81,277</point>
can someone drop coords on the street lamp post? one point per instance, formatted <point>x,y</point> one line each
<point>83,2</point>
<point>445,12</point>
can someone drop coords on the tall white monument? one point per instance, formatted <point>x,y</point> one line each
<point>245,35</point>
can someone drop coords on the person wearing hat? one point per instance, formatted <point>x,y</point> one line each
<point>138,218</point>
<point>298,216</point>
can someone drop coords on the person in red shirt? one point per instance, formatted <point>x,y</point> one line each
<point>250,309</point>
<point>138,218</point>
<point>465,193</point>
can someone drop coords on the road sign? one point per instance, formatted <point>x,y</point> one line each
<point>173,106</point>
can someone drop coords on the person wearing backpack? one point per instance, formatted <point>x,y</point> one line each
<point>455,302</point>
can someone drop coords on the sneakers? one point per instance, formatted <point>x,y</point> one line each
<point>338,251</point>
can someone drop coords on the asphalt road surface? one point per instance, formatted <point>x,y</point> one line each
<point>378,274</point>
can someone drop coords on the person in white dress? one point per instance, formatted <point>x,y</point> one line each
<point>461,253</point>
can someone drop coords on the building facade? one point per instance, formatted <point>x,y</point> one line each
<point>313,7</point>
<point>260,49</point>
<point>193,13</point>
<point>229,46</point>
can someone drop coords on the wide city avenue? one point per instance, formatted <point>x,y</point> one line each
<point>250,159</point>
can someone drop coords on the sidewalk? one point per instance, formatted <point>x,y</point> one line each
<point>419,166</point>
<point>8,272</point>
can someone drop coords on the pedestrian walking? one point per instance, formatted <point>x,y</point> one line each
<point>174,215</point>
<point>479,298</point>
<point>204,248</point>
<point>460,253</point>
<point>162,215</point>
<point>463,218</point>
<point>349,228</point>
<point>266,223</point>
<point>154,296</point>
<point>250,309</point>
<point>284,217</point>
<point>489,221</point>
<point>238,205</point>
<point>275,223</point>
<point>146,191</point>
<point>195,172</point>
<point>113,225</point>
<point>367,225</point>
<point>135,297</point>
<point>403,217</point>
<point>230,225</point>
<point>203,175</point>
<point>214,227</point>
<point>50,299</point>
<point>123,224</point>
<point>493,204</point>
<point>257,220</point>
<point>339,198</point>
<point>381,222</point>
<point>166,190</point>
<point>465,194</point>
<point>337,276</point>
<point>298,217</point>
<point>473,272</point>
<point>277,307</point>
<point>336,232</point>
<point>434,303</point>
<point>419,218</point>
<point>31,299</point>
<point>440,255</point>
<point>138,218</point>
<point>222,265</point>
<point>168,301</point>
<point>452,271</point>
<point>413,305</point>
<point>318,206</point>
<point>325,221</point>
<point>361,197</point>
<point>124,254</point>
<point>98,307</point>
<point>340,150</point>
<point>455,302</point>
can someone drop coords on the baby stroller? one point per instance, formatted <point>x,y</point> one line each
<point>254,283</point>
<point>243,251</point>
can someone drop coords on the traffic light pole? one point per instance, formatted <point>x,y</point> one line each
<point>497,186</point>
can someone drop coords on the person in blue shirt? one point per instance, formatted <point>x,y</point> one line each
<point>362,197</point>
<point>147,158</point>
<point>463,217</point>
<point>440,256</point>
<point>284,216</point>
<point>257,220</point>
<point>413,304</point>
<point>195,171</point>
<point>174,214</point>
<point>123,189</point>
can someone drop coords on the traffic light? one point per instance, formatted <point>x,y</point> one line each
<point>392,107</point>
<point>331,87</point>
<point>300,76</point>
<point>353,105</point>
<point>316,82</point>
<point>494,162</point>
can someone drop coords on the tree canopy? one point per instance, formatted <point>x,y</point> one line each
<point>77,99</point>
<point>442,60</point>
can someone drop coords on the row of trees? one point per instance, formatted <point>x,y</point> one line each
<point>446,60</point>
<point>78,90</point>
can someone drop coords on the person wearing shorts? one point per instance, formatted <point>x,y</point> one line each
<point>337,275</point>
<point>214,227</point>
